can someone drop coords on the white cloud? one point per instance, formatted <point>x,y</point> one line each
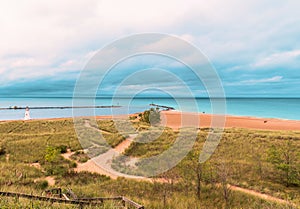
<point>26,62</point>
<point>264,80</point>
<point>278,58</point>
<point>50,38</point>
<point>253,82</point>
<point>274,79</point>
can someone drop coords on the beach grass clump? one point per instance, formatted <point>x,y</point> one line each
<point>80,156</point>
<point>150,143</point>
<point>114,139</point>
<point>82,178</point>
<point>107,125</point>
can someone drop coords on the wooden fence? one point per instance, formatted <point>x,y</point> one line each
<point>127,203</point>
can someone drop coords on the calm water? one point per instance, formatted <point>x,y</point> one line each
<point>269,108</point>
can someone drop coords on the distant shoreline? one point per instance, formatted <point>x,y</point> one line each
<point>172,119</point>
<point>263,108</point>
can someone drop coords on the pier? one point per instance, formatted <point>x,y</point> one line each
<point>162,106</point>
<point>58,107</point>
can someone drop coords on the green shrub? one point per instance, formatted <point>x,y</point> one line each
<point>42,185</point>
<point>151,116</point>
<point>73,164</point>
<point>57,170</point>
<point>62,149</point>
<point>80,156</point>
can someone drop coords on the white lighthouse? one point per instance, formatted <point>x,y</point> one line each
<point>27,115</point>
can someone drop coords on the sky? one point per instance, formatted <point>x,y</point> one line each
<point>254,45</point>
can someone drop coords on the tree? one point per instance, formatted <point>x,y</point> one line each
<point>165,185</point>
<point>285,159</point>
<point>223,175</point>
<point>54,164</point>
<point>195,172</point>
<point>151,116</point>
<point>51,154</point>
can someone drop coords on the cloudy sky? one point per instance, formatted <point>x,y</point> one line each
<point>254,45</point>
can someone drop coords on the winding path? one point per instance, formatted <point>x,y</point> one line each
<point>102,165</point>
<point>261,195</point>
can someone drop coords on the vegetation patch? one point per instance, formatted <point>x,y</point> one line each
<point>263,161</point>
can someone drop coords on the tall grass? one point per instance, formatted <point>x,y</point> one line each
<point>243,152</point>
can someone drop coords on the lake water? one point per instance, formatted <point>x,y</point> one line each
<point>284,108</point>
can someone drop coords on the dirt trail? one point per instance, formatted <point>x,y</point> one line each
<point>125,144</point>
<point>91,166</point>
<point>51,180</point>
<point>102,163</point>
<point>260,195</point>
<point>88,125</point>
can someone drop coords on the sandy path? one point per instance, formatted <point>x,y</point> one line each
<point>260,195</point>
<point>173,119</point>
<point>51,180</point>
<point>92,167</point>
<point>125,144</point>
<point>102,163</point>
<point>89,166</point>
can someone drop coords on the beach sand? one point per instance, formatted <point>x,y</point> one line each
<point>173,119</point>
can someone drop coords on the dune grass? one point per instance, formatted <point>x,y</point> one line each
<point>244,153</point>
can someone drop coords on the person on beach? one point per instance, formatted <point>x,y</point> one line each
<point>27,115</point>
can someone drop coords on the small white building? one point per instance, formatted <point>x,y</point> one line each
<point>27,114</point>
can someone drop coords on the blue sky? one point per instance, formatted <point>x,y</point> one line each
<point>254,45</point>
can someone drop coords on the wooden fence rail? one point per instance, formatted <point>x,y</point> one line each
<point>79,201</point>
<point>131,203</point>
<point>41,198</point>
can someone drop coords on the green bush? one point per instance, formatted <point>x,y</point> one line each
<point>55,170</point>
<point>151,116</point>
<point>62,149</point>
<point>73,164</point>
<point>42,185</point>
<point>80,156</point>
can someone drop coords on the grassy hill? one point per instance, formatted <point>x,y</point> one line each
<point>267,162</point>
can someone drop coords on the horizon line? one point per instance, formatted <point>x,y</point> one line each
<point>148,97</point>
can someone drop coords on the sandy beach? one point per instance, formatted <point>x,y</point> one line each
<point>173,119</point>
